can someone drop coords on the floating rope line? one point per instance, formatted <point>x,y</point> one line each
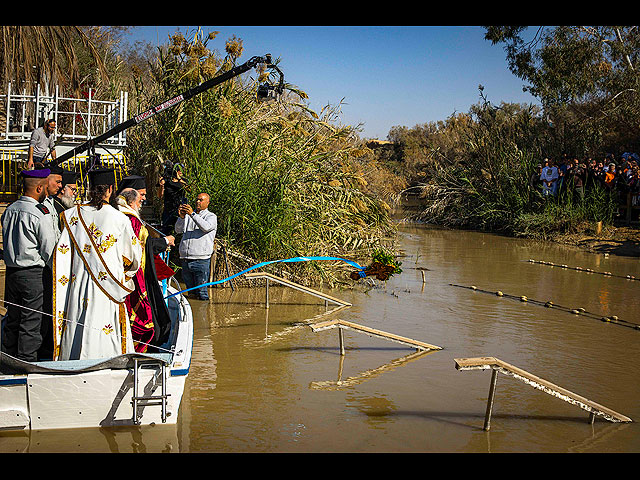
<point>581,269</point>
<point>576,311</point>
<point>361,270</point>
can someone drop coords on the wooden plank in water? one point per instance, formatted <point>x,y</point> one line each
<point>483,363</point>
<point>373,332</point>
<point>296,286</point>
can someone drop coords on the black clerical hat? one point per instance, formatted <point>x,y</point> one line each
<point>102,176</point>
<point>69,177</point>
<point>132,181</point>
<point>55,170</point>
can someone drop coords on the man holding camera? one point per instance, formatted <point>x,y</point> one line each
<point>196,247</point>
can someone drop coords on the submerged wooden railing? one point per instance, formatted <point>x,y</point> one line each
<point>344,325</point>
<point>273,278</point>
<point>497,365</point>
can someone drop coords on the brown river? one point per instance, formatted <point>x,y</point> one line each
<point>262,381</point>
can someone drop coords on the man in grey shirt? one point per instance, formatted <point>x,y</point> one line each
<point>42,142</point>
<point>29,243</point>
<point>196,247</point>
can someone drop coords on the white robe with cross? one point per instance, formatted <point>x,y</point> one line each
<point>95,259</point>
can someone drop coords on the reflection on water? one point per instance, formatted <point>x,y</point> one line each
<point>262,381</point>
<point>147,439</point>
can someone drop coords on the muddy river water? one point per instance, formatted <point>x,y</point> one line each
<point>261,380</point>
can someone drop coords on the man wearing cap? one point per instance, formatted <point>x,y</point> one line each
<point>94,263</point>
<point>149,316</point>
<point>29,243</point>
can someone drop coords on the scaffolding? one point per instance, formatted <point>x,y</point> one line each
<point>80,118</point>
<point>77,120</point>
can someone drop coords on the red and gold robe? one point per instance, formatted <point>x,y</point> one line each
<point>137,302</point>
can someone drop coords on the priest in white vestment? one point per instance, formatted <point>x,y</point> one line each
<point>95,260</point>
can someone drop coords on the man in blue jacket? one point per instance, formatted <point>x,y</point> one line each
<point>196,247</point>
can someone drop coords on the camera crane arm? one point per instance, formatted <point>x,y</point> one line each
<point>172,102</point>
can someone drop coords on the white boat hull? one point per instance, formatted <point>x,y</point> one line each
<point>102,397</point>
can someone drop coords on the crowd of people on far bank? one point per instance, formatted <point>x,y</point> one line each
<point>575,176</point>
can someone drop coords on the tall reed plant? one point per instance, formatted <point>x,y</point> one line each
<point>278,175</point>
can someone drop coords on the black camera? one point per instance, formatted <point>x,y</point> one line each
<point>170,170</point>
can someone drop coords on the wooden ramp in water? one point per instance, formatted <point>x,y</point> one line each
<point>372,332</point>
<point>273,278</point>
<point>497,365</point>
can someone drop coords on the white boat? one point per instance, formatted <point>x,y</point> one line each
<point>131,389</point>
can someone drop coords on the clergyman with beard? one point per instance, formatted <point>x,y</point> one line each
<point>29,243</point>
<point>149,315</point>
<point>94,264</point>
<point>66,197</point>
<point>62,191</point>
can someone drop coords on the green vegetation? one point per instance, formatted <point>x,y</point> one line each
<point>474,170</point>
<point>386,258</point>
<point>284,181</point>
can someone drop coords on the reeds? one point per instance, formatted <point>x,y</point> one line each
<point>488,186</point>
<point>278,175</point>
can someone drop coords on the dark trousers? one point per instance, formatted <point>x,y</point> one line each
<point>46,327</point>
<point>168,222</point>
<point>21,336</point>
<point>194,273</point>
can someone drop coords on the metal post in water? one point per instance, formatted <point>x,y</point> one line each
<point>135,390</point>
<point>492,392</point>
<point>267,294</point>
<point>164,392</point>
<point>341,338</point>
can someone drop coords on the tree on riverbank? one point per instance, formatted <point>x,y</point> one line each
<point>474,169</point>
<point>50,55</point>
<point>586,78</point>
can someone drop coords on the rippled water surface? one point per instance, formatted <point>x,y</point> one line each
<point>262,380</point>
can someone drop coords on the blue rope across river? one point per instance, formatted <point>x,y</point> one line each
<point>361,269</point>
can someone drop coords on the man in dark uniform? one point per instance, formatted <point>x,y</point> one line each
<point>29,243</point>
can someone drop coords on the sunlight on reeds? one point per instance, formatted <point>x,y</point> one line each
<point>284,181</point>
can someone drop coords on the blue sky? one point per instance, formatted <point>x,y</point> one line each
<point>387,76</point>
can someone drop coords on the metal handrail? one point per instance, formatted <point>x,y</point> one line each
<point>14,161</point>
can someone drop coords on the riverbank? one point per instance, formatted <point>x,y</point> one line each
<point>614,240</point>
<point>623,241</point>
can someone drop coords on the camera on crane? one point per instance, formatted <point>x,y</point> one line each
<point>267,92</point>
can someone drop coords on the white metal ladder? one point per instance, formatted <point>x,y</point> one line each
<point>150,400</point>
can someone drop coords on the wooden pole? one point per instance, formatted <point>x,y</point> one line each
<point>497,365</point>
